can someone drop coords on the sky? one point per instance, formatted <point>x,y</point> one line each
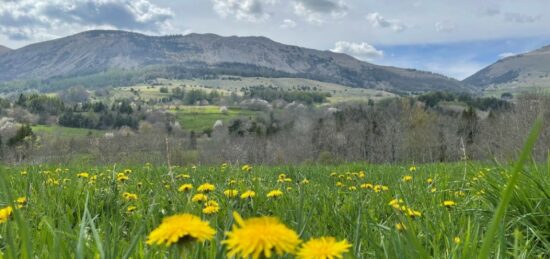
<point>454,38</point>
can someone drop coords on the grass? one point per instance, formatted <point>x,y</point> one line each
<point>66,131</point>
<point>199,118</point>
<point>68,216</point>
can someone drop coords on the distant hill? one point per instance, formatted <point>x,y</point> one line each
<point>205,54</point>
<point>529,69</point>
<point>3,49</point>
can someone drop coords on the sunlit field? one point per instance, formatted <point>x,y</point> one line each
<point>371,211</point>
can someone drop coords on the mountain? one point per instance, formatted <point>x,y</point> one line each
<point>3,49</point>
<point>100,50</point>
<point>532,68</point>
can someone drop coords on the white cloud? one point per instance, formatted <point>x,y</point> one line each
<point>506,54</point>
<point>246,10</point>
<point>444,26</point>
<point>288,24</point>
<point>315,11</point>
<point>27,19</point>
<point>361,50</point>
<point>378,21</point>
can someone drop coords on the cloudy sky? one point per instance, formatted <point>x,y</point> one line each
<point>455,38</point>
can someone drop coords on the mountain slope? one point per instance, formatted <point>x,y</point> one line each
<point>532,68</point>
<point>3,49</point>
<point>96,51</point>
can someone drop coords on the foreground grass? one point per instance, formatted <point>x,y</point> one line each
<point>67,216</point>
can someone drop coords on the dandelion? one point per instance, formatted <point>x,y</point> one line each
<point>366,186</point>
<point>412,169</point>
<point>21,202</point>
<point>361,174</point>
<point>395,203</point>
<point>211,207</point>
<point>5,214</point>
<point>305,181</point>
<point>248,195</point>
<point>407,178</point>
<point>199,197</point>
<point>230,193</point>
<point>457,240</point>
<point>83,175</point>
<point>429,180</point>
<point>274,194</point>
<point>449,203</point>
<point>433,190</point>
<point>246,168</point>
<point>400,227</point>
<point>339,184</point>
<point>259,237</point>
<point>130,196</point>
<point>122,177</point>
<point>131,209</point>
<point>323,248</point>
<point>352,188</point>
<point>181,228</point>
<point>23,173</point>
<point>413,213</point>
<point>185,187</point>
<point>207,187</point>
<point>183,176</point>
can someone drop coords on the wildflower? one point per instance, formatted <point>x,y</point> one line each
<point>449,203</point>
<point>183,176</point>
<point>52,181</point>
<point>460,193</point>
<point>207,187</point>
<point>274,194</point>
<point>361,174</point>
<point>21,202</point>
<point>433,189</point>
<point>181,228</point>
<point>333,174</point>
<point>366,186</point>
<point>400,227</point>
<point>305,181</point>
<point>407,178</point>
<point>127,171</point>
<point>211,207</point>
<point>230,193</point>
<point>352,188</point>
<point>429,180</point>
<point>83,175</point>
<point>121,177</point>
<point>185,187</point>
<point>457,240</point>
<point>246,168</point>
<point>339,184</point>
<point>23,173</point>
<point>131,208</point>
<point>5,214</point>
<point>412,169</point>
<point>248,195</point>
<point>322,248</point>
<point>395,203</point>
<point>199,197</point>
<point>259,237</point>
<point>413,213</point>
<point>130,196</point>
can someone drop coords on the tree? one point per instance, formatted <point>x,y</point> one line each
<point>23,133</point>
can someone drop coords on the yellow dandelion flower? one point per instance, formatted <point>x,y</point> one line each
<point>366,186</point>
<point>207,187</point>
<point>230,193</point>
<point>323,248</point>
<point>429,180</point>
<point>199,197</point>
<point>305,181</point>
<point>210,209</point>
<point>183,176</point>
<point>400,227</point>
<point>181,228</point>
<point>21,200</point>
<point>333,174</point>
<point>361,174</point>
<point>433,189</point>
<point>83,175</point>
<point>407,178</point>
<point>413,213</point>
<point>352,188</point>
<point>23,173</point>
<point>396,203</point>
<point>185,187</point>
<point>274,194</point>
<point>131,209</point>
<point>260,236</point>
<point>449,203</point>
<point>5,214</point>
<point>457,240</point>
<point>248,195</point>
<point>339,184</point>
<point>130,196</point>
<point>412,169</point>
<point>246,168</point>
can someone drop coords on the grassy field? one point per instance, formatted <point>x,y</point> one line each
<point>432,210</point>
<point>199,118</point>
<point>66,131</point>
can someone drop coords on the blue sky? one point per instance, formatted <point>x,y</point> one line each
<point>454,38</point>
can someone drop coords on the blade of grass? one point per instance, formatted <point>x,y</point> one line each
<point>506,194</point>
